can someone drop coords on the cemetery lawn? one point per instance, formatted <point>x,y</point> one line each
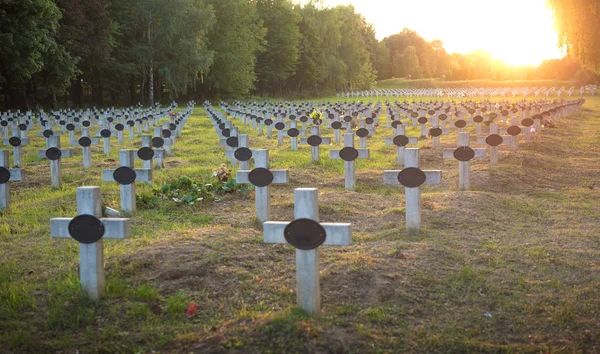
<point>511,266</point>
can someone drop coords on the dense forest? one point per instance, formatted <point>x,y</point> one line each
<point>107,52</point>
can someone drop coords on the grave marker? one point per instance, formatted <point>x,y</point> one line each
<point>126,176</point>
<point>464,154</point>
<point>7,175</point>
<point>411,177</point>
<point>89,229</point>
<point>261,177</point>
<point>306,234</point>
<point>349,154</point>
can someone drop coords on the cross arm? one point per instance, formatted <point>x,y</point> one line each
<point>363,153</point>
<point>16,174</point>
<point>338,234</point>
<point>242,176</point>
<point>113,227</point>
<point>280,176</point>
<point>412,140</point>
<point>431,177</point>
<point>143,174</point>
<point>65,153</point>
<point>480,153</point>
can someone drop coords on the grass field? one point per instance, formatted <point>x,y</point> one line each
<point>510,266</point>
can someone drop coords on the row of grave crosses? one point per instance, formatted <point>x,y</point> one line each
<point>305,233</point>
<point>153,152</point>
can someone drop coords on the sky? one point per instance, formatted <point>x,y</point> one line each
<point>518,32</point>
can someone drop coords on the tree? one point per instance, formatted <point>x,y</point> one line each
<point>579,29</point>
<point>382,61</point>
<point>28,34</point>
<point>279,60</point>
<point>236,39</point>
<point>410,62</point>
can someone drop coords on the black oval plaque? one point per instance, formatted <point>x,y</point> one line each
<point>362,132</point>
<point>105,133</point>
<point>4,175</point>
<point>130,123</point>
<point>348,154</point>
<point>293,132</point>
<point>124,175</point>
<point>47,133</point>
<point>260,177</point>
<point>443,116</point>
<point>232,141</point>
<point>400,140</point>
<point>158,142</point>
<point>304,119</point>
<point>85,141</point>
<point>513,130</point>
<point>172,126</point>
<point>70,127</point>
<point>336,125</point>
<point>422,120</point>
<point>15,141</point>
<point>119,127</point>
<point>166,133</point>
<point>411,177</point>
<point>86,228</point>
<point>226,132</point>
<point>268,121</point>
<point>494,140</point>
<point>85,123</point>
<point>478,119</point>
<point>435,132</point>
<point>460,123</point>
<point>279,126</point>
<point>305,234</point>
<point>53,153</point>
<point>464,153</point>
<point>396,123</point>
<point>243,154</point>
<point>22,126</point>
<point>314,140</point>
<point>527,122</point>
<point>369,120</point>
<point>145,153</point>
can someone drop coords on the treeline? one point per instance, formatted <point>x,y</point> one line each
<point>113,52</point>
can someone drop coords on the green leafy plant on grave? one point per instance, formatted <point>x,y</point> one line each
<point>186,191</point>
<point>316,115</point>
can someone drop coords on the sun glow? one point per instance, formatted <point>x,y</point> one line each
<point>518,32</point>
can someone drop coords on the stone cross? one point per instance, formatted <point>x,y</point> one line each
<point>55,154</point>
<point>85,143</point>
<point>315,140</point>
<point>7,175</point>
<point>89,228</point>
<point>159,152</point>
<point>17,144</point>
<point>105,134</point>
<point>126,176</point>
<point>261,177</point>
<point>240,143</point>
<point>349,154</point>
<point>401,140</point>
<point>306,234</point>
<point>464,154</point>
<point>411,177</point>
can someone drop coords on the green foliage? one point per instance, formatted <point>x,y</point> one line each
<point>578,30</point>
<point>177,304</point>
<point>185,191</point>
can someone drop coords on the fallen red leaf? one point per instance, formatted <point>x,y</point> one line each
<point>192,309</point>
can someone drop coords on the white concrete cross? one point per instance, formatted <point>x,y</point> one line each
<point>7,175</point>
<point>412,178</point>
<point>464,154</point>
<point>55,154</point>
<point>242,142</point>
<point>308,235</point>
<point>89,228</point>
<point>126,176</point>
<point>403,140</point>
<point>315,141</point>
<point>159,154</point>
<point>261,177</point>
<point>349,154</point>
